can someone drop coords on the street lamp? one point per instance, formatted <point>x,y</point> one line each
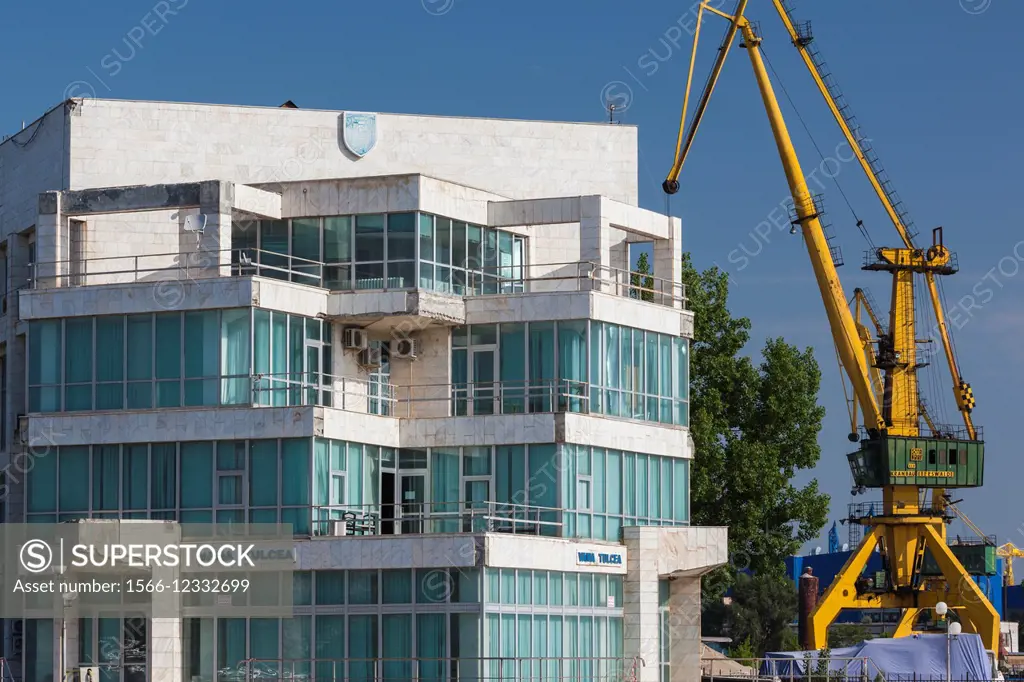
<point>953,628</point>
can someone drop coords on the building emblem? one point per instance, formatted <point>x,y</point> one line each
<point>359,132</point>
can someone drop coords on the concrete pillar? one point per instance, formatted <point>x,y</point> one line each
<point>592,246</point>
<point>668,256</point>
<point>50,242</point>
<point>65,642</point>
<point>166,652</point>
<point>210,255</point>
<point>684,629</point>
<point>641,611</point>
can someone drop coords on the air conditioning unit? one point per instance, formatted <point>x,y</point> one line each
<point>405,348</point>
<point>369,358</point>
<point>355,339</point>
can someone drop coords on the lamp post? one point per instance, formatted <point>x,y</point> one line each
<point>952,630</point>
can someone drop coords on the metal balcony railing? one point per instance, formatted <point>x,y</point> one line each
<point>417,517</point>
<point>162,268</point>
<point>536,396</point>
<point>570,668</point>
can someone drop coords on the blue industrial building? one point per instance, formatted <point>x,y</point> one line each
<point>825,566</point>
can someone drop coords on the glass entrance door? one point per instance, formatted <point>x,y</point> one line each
<point>412,496</point>
<point>483,389</point>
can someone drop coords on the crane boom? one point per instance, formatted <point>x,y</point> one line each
<point>808,217</point>
<point>886,195</point>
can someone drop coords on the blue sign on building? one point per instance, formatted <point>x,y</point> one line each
<point>598,559</point>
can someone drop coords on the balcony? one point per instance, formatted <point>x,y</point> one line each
<point>536,396</point>
<point>416,517</point>
<point>181,267</point>
<point>242,390</point>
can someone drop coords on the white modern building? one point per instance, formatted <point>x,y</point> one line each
<point>415,339</point>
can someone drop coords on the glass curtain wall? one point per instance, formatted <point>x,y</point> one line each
<point>178,359</point>
<point>544,367</point>
<point>559,491</point>
<point>345,623</point>
<point>603,490</point>
<point>259,481</point>
<point>552,625</point>
<point>382,251</point>
<point>467,259</point>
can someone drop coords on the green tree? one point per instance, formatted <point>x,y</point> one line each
<point>847,634</point>
<point>743,650</point>
<point>641,280</point>
<point>758,613</point>
<point>753,426</point>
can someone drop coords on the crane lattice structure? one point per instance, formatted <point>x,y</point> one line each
<point>901,452</point>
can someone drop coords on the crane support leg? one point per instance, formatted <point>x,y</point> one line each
<point>906,625</point>
<point>843,591</point>
<point>964,594</point>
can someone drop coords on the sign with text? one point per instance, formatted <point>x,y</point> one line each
<point>598,558</point>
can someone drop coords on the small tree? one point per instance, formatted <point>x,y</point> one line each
<point>641,280</point>
<point>743,650</point>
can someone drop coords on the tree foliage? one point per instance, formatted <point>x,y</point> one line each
<point>758,614</point>
<point>641,279</point>
<point>842,635</point>
<point>754,426</point>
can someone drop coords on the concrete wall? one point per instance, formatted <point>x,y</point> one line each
<point>117,142</point>
<point>32,161</point>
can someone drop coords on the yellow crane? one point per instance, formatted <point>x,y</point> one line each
<point>896,455</point>
<point>1009,552</point>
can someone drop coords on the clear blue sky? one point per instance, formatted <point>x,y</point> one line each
<point>933,84</point>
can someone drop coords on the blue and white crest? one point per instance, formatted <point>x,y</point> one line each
<point>359,132</point>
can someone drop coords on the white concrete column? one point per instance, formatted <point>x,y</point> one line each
<point>166,654</point>
<point>65,641</point>
<point>641,618</point>
<point>592,247</point>
<point>50,228</point>
<point>668,255</point>
<point>684,629</point>
<point>209,255</point>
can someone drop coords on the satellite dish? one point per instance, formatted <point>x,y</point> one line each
<point>196,224</point>
<point>846,546</point>
<point>817,551</point>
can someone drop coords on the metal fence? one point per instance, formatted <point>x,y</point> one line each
<point>462,669</point>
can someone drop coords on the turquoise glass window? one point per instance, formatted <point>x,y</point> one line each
<point>44,365</point>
